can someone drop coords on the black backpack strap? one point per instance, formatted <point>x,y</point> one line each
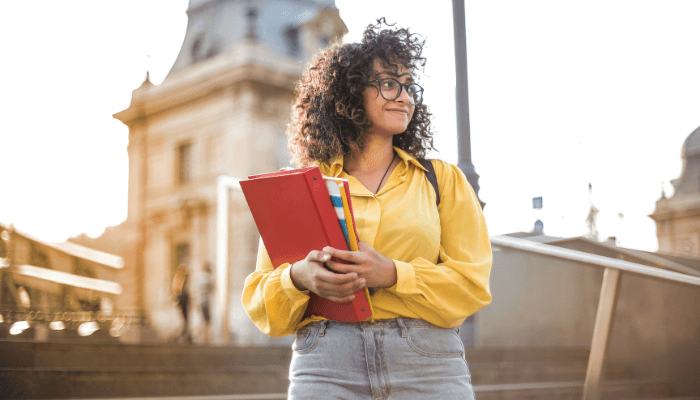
<point>432,178</point>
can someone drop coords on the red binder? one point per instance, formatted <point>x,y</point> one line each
<point>294,215</point>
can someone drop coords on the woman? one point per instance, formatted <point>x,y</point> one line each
<point>206,287</point>
<point>359,116</point>
<point>181,294</point>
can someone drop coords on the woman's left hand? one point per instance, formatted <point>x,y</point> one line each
<point>378,270</point>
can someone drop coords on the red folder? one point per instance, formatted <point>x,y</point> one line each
<point>294,215</point>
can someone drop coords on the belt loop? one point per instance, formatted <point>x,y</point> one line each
<point>404,330</point>
<point>322,329</point>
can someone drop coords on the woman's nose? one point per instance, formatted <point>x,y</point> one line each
<point>403,96</point>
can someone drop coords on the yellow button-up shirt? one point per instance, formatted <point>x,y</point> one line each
<point>401,222</point>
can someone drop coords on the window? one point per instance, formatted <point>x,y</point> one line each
<point>38,258</point>
<point>202,48</point>
<point>83,268</point>
<point>184,163</point>
<point>198,48</point>
<point>196,51</point>
<point>292,36</point>
<point>3,249</point>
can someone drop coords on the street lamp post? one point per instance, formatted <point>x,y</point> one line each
<point>462,96</point>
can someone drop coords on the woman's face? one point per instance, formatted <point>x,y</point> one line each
<point>390,117</point>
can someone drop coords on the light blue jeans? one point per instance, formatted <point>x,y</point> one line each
<point>393,359</point>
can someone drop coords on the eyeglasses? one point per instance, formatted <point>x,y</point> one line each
<point>390,89</point>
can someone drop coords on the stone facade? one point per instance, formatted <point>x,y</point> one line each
<point>678,217</point>
<point>223,113</point>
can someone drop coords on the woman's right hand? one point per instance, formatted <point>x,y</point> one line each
<point>310,274</point>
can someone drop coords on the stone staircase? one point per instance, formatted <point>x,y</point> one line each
<point>554,374</point>
<point>62,370</point>
<point>42,370</point>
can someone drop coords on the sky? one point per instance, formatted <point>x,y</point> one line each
<point>561,93</point>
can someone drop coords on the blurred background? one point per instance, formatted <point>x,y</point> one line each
<point>561,95</point>
<point>126,124</point>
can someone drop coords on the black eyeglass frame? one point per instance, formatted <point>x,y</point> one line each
<point>401,87</point>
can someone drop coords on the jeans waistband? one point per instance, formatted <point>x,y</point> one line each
<point>399,322</point>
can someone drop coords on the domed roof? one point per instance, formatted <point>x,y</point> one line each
<point>217,26</point>
<point>691,147</point>
<point>689,181</point>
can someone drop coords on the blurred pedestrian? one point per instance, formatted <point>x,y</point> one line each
<point>205,288</point>
<point>180,290</point>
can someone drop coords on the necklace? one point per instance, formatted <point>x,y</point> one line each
<point>385,172</point>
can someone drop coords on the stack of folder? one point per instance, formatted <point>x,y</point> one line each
<point>297,211</point>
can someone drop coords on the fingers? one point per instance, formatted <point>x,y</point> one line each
<point>339,282</point>
<point>336,279</point>
<point>351,256</point>
<point>339,294</point>
<point>347,289</point>
<point>302,272</point>
<point>339,286</point>
<point>364,247</point>
<point>342,268</point>
<point>318,256</point>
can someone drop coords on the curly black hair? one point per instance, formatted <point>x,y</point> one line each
<point>328,115</point>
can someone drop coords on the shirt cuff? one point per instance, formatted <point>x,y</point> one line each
<point>405,278</point>
<point>292,292</point>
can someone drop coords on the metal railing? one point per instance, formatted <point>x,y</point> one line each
<point>606,303</point>
<point>263,396</point>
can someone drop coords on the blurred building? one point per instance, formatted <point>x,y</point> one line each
<point>678,217</point>
<point>53,291</point>
<point>221,111</point>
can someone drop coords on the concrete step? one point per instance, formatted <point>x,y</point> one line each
<point>42,370</point>
<point>612,390</point>
<point>79,384</point>
<point>32,384</point>
<point>261,396</point>
<point>481,394</point>
<point>89,356</point>
<point>547,354</point>
<point>538,371</point>
<point>487,365</point>
<point>283,396</point>
<point>672,398</point>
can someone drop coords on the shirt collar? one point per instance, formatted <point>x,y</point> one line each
<point>334,167</point>
<point>407,158</point>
